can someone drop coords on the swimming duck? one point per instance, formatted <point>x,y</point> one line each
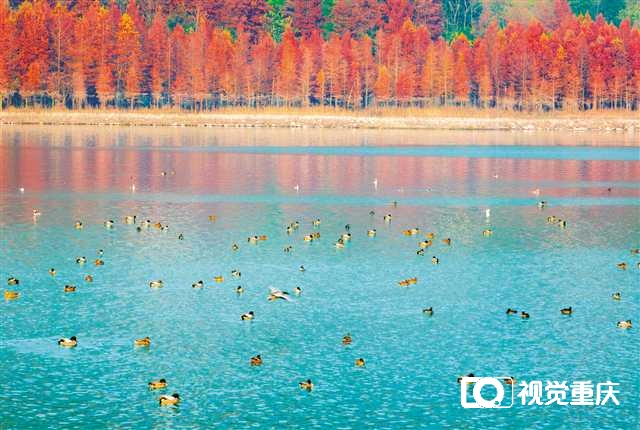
<point>428,311</point>
<point>308,238</point>
<point>524,315</point>
<point>253,240</point>
<point>169,400</point>
<point>359,362</point>
<point>346,339</point>
<point>198,284</point>
<point>100,252</point>
<point>430,235</point>
<point>247,317</point>
<point>512,311</point>
<point>109,223</point>
<point>81,260</point>
<point>566,311</point>
<point>622,266</point>
<point>130,219</point>
<point>13,281</point>
<point>542,204</point>
<point>36,213</point>
<point>88,278</point>
<point>339,243</point>
<point>387,218</point>
<point>235,247</point>
<point>425,244</point>
<point>288,248</point>
<point>411,231</point>
<point>69,288</point>
<point>371,233</point>
<point>158,225</point>
<point>11,295</point>
<point>420,251</point>
<point>212,218</point>
<point>239,290</point>
<point>99,262</point>
<point>562,223</point>
<point>145,341</point>
<point>78,225</point>
<point>315,235</point>
<point>52,272</point>
<point>146,223</point>
<point>306,385</point>
<point>346,236</point>
<point>435,260</point>
<point>156,284</point>
<point>158,385</point>
<point>68,343</point>
<point>469,375</point>
<point>275,294</point>
<point>347,227</point>
<point>315,222</point>
<point>289,229</point>
<point>181,236</point>
<point>236,273</point>
<point>551,219</point>
<point>446,241</point>
<point>302,269</point>
<point>297,291</point>
<point>624,324</point>
<point>256,360</point>
<point>219,279</point>
<point>616,296</point>
<point>487,233</point>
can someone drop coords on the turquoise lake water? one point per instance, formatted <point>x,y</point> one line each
<point>201,346</point>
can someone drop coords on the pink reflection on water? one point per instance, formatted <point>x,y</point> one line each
<point>43,168</point>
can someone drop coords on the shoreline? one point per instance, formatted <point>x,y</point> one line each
<point>613,122</point>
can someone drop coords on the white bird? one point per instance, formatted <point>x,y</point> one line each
<point>22,189</point>
<point>297,188</point>
<point>133,187</point>
<point>487,213</point>
<point>275,294</point>
<point>375,183</point>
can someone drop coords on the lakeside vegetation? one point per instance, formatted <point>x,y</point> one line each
<point>452,118</point>
<point>352,54</point>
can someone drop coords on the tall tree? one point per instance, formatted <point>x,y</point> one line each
<point>128,70</point>
<point>7,47</point>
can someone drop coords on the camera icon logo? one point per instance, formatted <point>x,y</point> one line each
<point>499,383</point>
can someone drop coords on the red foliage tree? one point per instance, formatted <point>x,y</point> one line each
<point>306,16</point>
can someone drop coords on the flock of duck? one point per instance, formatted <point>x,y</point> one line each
<point>276,294</point>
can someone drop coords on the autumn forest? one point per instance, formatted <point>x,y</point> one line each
<point>353,54</point>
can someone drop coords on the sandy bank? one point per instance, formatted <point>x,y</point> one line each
<point>481,120</point>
